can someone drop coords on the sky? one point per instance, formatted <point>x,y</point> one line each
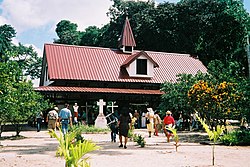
<point>35,20</point>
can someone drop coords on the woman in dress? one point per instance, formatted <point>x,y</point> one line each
<point>150,125</point>
<point>168,122</point>
<point>123,123</point>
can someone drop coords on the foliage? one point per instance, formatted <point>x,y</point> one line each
<point>67,33</point>
<point>89,129</point>
<point>90,36</point>
<point>175,97</point>
<point>214,135</point>
<point>215,102</point>
<point>236,138</point>
<point>6,34</point>
<point>27,59</point>
<point>23,103</point>
<point>176,138</point>
<point>19,102</point>
<point>73,150</point>
<point>139,140</point>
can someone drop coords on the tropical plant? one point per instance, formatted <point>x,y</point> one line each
<point>73,150</point>
<point>175,137</point>
<point>213,134</point>
<point>139,140</point>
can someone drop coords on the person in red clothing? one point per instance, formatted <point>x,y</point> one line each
<point>168,122</point>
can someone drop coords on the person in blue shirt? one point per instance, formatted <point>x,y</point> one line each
<point>65,117</point>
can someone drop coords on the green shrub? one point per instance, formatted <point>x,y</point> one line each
<point>89,129</point>
<point>237,138</point>
<point>139,140</point>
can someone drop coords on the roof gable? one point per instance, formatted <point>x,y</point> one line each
<point>133,57</point>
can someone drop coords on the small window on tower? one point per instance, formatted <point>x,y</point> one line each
<point>141,66</point>
<point>128,49</point>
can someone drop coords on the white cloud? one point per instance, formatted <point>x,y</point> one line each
<point>28,14</point>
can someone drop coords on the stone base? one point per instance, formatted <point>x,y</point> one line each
<point>101,121</point>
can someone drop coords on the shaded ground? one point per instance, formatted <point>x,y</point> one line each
<point>37,149</point>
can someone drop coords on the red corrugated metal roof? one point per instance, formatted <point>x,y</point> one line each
<point>69,62</point>
<point>127,37</point>
<point>97,90</point>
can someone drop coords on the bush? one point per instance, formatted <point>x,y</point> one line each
<point>90,129</point>
<point>139,140</point>
<point>237,138</point>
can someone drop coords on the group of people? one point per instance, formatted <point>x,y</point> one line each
<point>155,123</point>
<point>121,123</point>
<point>54,118</point>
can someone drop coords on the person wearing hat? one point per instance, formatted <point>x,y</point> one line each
<point>150,124</point>
<point>52,118</point>
<point>168,122</point>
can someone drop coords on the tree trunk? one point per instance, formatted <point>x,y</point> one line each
<point>213,154</point>
<point>18,129</point>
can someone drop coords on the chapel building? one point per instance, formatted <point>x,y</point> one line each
<point>84,75</point>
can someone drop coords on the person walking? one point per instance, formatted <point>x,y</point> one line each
<point>39,119</point>
<point>157,123</point>
<point>75,109</point>
<point>65,117</point>
<point>194,123</point>
<point>138,121</point>
<point>123,122</point>
<point>143,120</point>
<point>52,118</point>
<point>112,120</point>
<point>150,123</point>
<point>168,122</point>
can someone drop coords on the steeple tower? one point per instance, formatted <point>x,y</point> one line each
<point>127,41</point>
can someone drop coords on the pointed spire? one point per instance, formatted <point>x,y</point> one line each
<point>127,37</point>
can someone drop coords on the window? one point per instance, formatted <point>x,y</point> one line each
<point>46,74</point>
<point>128,49</point>
<point>141,66</point>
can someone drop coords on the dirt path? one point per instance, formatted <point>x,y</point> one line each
<point>38,150</point>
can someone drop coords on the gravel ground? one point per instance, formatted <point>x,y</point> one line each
<point>37,149</point>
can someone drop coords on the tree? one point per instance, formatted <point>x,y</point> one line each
<point>175,94</point>
<point>90,36</point>
<point>24,103</point>
<point>6,34</point>
<point>67,33</point>
<point>18,100</point>
<point>8,74</point>
<point>28,60</point>
<point>213,29</point>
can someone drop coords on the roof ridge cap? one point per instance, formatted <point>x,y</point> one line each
<point>79,46</point>
<point>156,52</point>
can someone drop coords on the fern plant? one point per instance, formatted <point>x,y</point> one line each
<point>73,150</point>
<point>213,135</point>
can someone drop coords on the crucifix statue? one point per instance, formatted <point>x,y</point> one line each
<point>112,106</point>
<point>101,121</point>
<point>101,103</point>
